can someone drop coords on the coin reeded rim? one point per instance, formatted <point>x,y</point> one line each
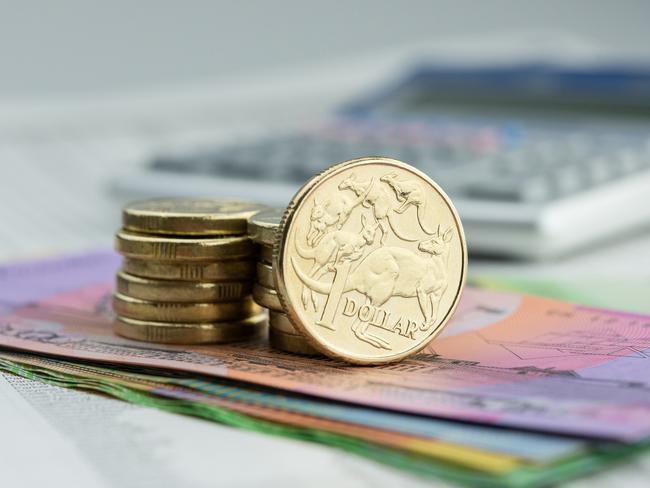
<point>190,333</point>
<point>137,217</point>
<point>178,249</point>
<point>279,248</point>
<point>189,271</point>
<point>180,291</point>
<point>189,312</point>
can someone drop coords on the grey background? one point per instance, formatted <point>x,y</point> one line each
<point>83,46</point>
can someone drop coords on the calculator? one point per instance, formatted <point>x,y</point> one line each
<point>540,160</point>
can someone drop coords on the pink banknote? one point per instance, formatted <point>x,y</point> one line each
<point>506,359</point>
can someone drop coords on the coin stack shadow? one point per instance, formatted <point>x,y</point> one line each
<point>186,289</point>
<point>262,228</point>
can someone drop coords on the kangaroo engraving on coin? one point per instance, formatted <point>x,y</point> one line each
<point>371,260</point>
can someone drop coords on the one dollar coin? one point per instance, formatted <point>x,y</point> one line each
<point>370,261</point>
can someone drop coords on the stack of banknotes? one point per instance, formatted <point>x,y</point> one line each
<point>517,391</point>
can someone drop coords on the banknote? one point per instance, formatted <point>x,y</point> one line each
<point>506,359</point>
<point>76,375</point>
<point>523,446</point>
<point>479,460</point>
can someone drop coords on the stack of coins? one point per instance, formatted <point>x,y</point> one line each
<point>188,272</point>
<point>262,229</point>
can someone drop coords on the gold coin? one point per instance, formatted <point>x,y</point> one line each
<point>182,311</point>
<point>263,225</point>
<point>281,323</point>
<point>371,260</point>
<point>161,248</point>
<point>265,275</point>
<point>189,216</point>
<point>266,254</point>
<point>291,343</point>
<point>266,297</point>
<point>202,333</point>
<point>241,270</point>
<point>181,291</point>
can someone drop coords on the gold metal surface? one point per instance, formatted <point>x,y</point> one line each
<point>263,225</point>
<point>202,333</point>
<point>238,270</point>
<point>281,323</point>
<point>187,216</point>
<point>162,248</point>
<point>291,343</point>
<point>265,275</point>
<point>184,312</point>
<point>181,291</point>
<point>265,254</point>
<point>266,297</point>
<point>371,260</point>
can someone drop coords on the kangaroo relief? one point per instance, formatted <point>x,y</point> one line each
<point>333,213</point>
<point>333,248</point>
<point>364,277</point>
<point>384,272</point>
<point>408,192</point>
<point>396,272</point>
<point>378,198</point>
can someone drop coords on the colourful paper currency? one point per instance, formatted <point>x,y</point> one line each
<point>472,458</point>
<point>523,475</point>
<point>507,359</point>
<point>522,446</point>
